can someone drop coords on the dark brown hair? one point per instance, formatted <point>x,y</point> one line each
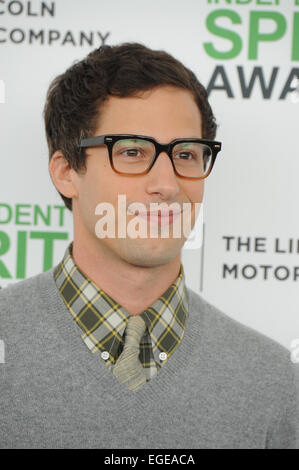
<point>73,100</point>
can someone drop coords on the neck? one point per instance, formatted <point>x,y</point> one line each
<point>134,287</point>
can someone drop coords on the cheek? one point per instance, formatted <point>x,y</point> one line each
<point>104,188</point>
<point>194,191</point>
<point>97,183</point>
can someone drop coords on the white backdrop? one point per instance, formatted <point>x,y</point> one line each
<point>252,194</point>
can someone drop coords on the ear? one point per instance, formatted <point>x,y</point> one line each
<point>62,175</point>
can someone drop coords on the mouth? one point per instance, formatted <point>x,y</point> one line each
<point>160,217</point>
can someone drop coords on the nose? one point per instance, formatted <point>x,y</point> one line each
<point>162,179</point>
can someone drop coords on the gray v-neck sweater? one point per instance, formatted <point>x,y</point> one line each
<point>226,385</point>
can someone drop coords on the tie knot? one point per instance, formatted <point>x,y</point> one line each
<point>134,331</point>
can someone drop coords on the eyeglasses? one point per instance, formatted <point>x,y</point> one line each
<point>135,155</point>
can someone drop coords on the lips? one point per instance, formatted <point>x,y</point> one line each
<point>157,218</point>
<point>159,213</point>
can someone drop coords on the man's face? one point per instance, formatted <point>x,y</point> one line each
<point>164,113</point>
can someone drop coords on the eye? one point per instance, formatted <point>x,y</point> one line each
<point>184,155</point>
<point>131,152</point>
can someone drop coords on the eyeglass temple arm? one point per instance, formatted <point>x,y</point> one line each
<point>90,141</point>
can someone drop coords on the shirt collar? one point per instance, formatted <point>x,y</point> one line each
<point>103,320</point>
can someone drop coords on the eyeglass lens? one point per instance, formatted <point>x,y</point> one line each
<point>192,159</point>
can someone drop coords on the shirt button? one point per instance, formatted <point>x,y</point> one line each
<point>162,356</point>
<point>105,355</point>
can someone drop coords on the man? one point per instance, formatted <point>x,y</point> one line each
<point>110,348</point>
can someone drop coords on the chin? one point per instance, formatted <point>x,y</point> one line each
<point>149,261</point>
<point>153,254</point>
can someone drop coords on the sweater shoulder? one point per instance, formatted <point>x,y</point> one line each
<point>23,294</point>
<point>240,341</point>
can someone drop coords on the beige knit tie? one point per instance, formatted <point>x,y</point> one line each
<point>128,368</point>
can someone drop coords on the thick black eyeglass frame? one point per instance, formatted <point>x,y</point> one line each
<point>110,139</point>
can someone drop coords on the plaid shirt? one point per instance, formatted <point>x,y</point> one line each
<point>103,320</point>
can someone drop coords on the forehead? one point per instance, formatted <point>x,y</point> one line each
<point>166,111</point>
